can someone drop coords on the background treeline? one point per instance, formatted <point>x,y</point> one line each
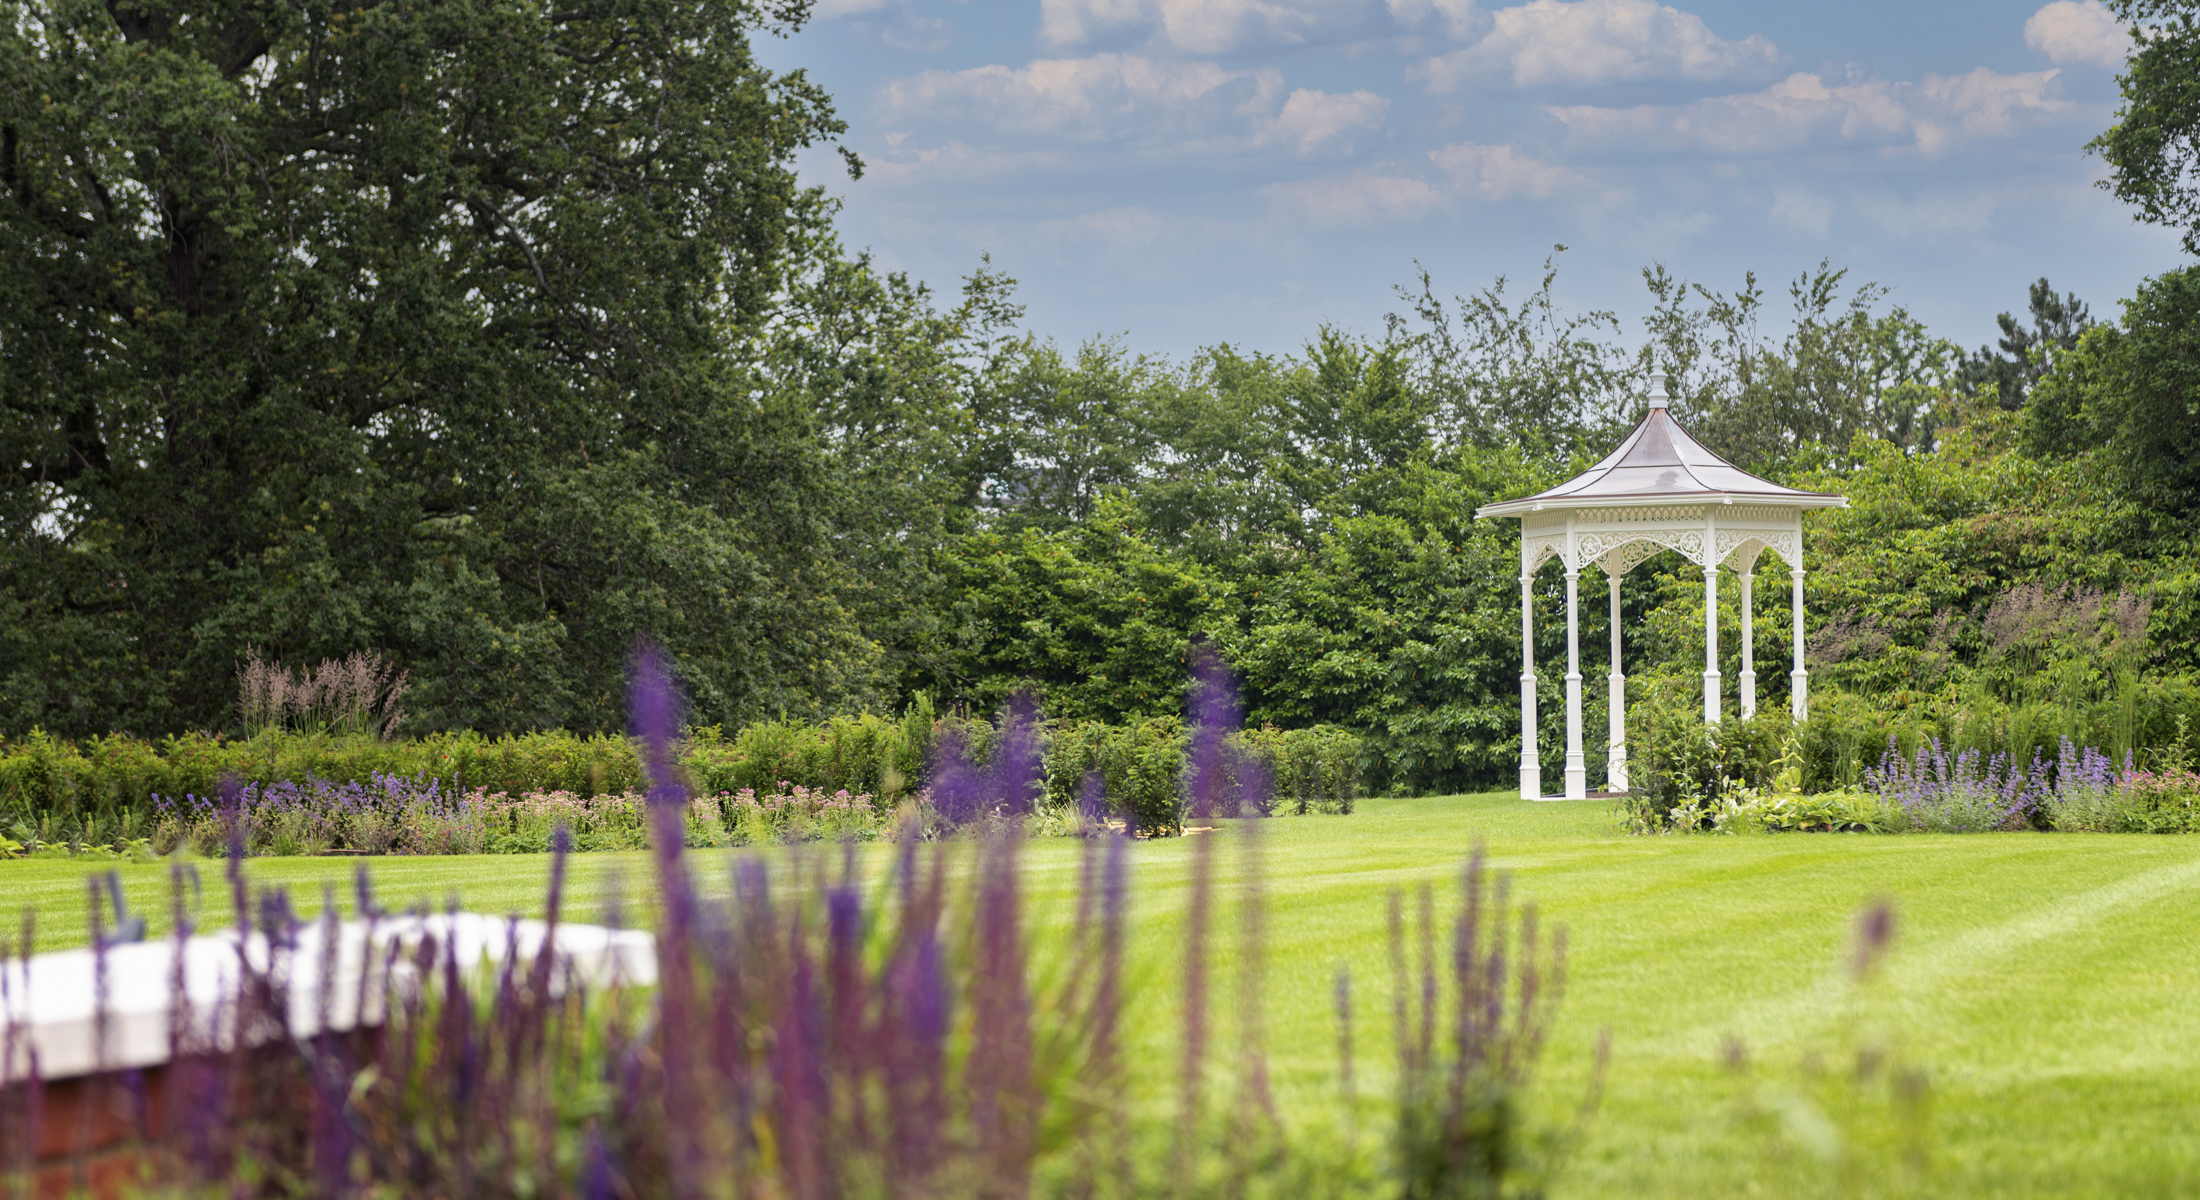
<point>397,386</point>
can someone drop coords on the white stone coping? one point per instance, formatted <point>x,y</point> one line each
<point>49,1006</point>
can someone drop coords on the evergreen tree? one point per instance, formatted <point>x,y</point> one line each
<point>2010,368</point>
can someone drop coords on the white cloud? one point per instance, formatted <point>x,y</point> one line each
<point>1104,97</point>
<point>922,34</point>
<point>1500,172</point>
<point>828,9</point>
<point>1808,209</point>
<point>1458,20</point>
<point>1184,107</point>
<point>1598,42</point>
<point>2070,32</point>
<point>1803,110</point>
<point>959,162</point>
<point>1196,26</point>
<point>1313,121</point>
<point>1397,192</point>
<point>1367,198</point>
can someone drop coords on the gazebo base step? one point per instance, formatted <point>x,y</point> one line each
<point>1590,796</point>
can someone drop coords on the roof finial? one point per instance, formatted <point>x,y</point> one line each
<point>1658,397</point>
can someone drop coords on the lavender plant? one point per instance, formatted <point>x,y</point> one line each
<point>1460,1130</point>
<point>391,815</point>
<point>1963,793</point>
<point>2086,793</point>
<point>808,1036</point>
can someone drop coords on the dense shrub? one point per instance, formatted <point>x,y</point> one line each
<point>45,777</point>
<point>398,816</point>
<point>1847,733</point>
<point>1310,770</point>
<point>1139,769</point>
<point>326,792</point>
<point>1681,769</point>
<point>857,754</point>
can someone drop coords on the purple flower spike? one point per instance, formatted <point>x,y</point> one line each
<point>653,711</point>
<point>1016,758</point>
<point>1874,933</point>
<point>1216,714</point>
<point>957,792</point>
<point>1092,800</point>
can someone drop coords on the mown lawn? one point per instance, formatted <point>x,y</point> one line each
<point>2049,985</point>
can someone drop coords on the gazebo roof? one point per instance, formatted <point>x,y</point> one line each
<point>1660,464</point>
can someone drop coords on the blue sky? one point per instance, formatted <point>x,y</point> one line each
<point>1184,172</point>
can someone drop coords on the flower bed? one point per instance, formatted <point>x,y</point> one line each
<point>401,816</point>
<point>1933,791</point>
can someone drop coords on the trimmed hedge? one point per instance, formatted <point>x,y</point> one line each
<point>1142,769</point>
<point>55,787</point>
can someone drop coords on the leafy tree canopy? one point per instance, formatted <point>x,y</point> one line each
<point>421,324</point>
<point>2153,149</point>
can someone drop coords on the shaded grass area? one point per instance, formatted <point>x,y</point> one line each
<point>2044,983</point>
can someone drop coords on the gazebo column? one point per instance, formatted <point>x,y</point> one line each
<point>1577,772</point>
<point>1748,572</point>
<point>1615,762</point>
<point>1798,679</point>
<point>1710,618</point>
<point>1531,770</point>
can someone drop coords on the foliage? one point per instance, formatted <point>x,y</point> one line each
<point>1842,372</point>
<point>433,328</point>
<point>828,1038</point>
<point>1848,732</point>
<point>1822,812</point>
<point>864,753</point>
<point>1500,374</point>
<point>1138,768</point>
<point>400,816</point>
<point>105,778</point>
<point>1095,618</point>
<point>1310,770</point>
<point>2154,147</point>
<point>1685,773</point>
<point>2132,389</point>
<point>108,791</point>
<point>2024,354</point>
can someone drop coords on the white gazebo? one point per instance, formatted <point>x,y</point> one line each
<point>1660,490</point>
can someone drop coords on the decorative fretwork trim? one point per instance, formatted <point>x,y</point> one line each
<point>1627,556</point>
<point>1642,516</point>
<point>1739,548</point>
<point>1536,551</point>
<point>1689,542</point>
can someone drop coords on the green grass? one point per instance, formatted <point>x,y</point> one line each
<point>2045,982</point>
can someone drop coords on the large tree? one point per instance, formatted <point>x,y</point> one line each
<point>411,324</point>
<point>2153,149</point>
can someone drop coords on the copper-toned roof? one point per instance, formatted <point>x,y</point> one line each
<point>1660,464</point>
